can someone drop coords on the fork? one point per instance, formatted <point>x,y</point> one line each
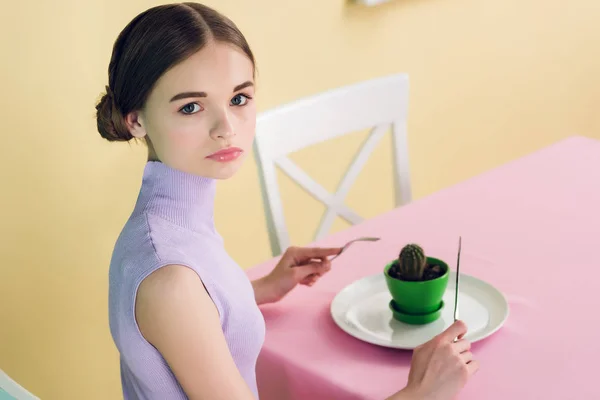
<point>361,239</point>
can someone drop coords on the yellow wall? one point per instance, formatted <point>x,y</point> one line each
<point>490,81</point>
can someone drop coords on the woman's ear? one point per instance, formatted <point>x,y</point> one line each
<point>135,124</point>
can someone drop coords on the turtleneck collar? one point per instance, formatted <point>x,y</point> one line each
<point>184,199</point>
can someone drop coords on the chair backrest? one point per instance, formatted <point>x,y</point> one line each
<point>9,389</point>
<point>379,104</point>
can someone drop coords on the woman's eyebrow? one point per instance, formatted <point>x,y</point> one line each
<point>243,85</point>
<point>185,95</point>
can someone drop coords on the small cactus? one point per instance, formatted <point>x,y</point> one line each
<point>411,262</point>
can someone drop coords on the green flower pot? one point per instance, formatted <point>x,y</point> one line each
<point>416,319</point>
<point>418,298</point>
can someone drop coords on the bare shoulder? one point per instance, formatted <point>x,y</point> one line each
<point>177,316</point>
<point>167,294</point>
<point>169,279</point>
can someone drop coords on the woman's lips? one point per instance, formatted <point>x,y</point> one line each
<point>226,155</point>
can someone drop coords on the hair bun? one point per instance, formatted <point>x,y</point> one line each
<point>110,122</point>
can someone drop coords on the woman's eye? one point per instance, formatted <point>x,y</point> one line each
<point>190,108</point>
<point>239,100</point>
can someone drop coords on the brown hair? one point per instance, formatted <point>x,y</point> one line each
<point>153,42</point>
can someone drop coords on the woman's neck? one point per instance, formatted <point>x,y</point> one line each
<point>182,198</point>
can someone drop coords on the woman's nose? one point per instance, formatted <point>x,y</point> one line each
<point>223,128</point>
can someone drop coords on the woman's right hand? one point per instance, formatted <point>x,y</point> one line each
<point>441,367</point>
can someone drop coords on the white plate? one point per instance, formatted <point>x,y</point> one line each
<point>361,309</point>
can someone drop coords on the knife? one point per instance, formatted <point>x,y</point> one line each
<point>457,281</point>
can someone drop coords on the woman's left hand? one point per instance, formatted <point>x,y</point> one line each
<point>298,265</point>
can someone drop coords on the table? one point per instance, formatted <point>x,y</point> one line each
<point>528,227</point>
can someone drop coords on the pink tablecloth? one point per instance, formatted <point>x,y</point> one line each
<point>529,228</point>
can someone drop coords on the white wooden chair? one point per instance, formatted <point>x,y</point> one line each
<point>9,389</point>
<point>378,103</point>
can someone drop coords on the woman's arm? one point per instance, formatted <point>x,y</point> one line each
<point>263,291</point>
<point>177,316</point>
<point>440,367</point>
<point>298,265</point>
<point>404,394</point>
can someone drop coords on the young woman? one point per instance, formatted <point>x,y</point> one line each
<point>183,315</point>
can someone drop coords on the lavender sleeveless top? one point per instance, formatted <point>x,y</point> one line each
<point>172,223</point>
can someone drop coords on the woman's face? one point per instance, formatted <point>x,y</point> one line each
<point>200,116</point>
